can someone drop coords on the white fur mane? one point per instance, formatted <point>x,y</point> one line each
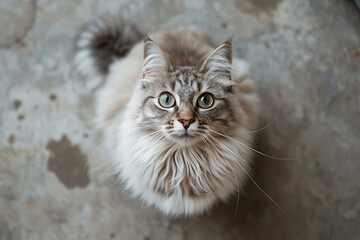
<point>213,176</point>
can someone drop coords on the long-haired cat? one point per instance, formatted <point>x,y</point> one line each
<point>177,112</point>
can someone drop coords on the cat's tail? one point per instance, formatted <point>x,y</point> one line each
<point>102,41</point>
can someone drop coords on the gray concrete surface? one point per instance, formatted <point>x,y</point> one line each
<point>304,57</point>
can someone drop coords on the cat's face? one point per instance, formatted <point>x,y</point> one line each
<point>186,103</point>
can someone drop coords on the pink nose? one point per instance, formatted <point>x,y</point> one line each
<point>186,122</point>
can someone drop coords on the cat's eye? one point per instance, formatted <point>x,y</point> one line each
<point>166,100</point>
<point>205,100</point>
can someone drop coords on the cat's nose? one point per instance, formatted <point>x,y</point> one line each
<point>186,122</point>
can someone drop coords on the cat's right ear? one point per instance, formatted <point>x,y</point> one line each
<point>156,64</point>
<point>218,66</point>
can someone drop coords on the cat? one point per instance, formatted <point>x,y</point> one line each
<point>175,110</point>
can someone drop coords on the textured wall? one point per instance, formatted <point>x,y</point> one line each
<point>305,59</point>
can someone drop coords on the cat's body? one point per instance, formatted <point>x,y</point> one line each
<point>170,147</point>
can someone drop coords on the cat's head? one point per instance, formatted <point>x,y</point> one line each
<point>185,103</point>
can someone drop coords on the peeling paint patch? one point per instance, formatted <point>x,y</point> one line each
<point>12,138</point>
<point>52,97</point>
<point>68,163</point>
<point>17,104</point>
<point>21,117</point>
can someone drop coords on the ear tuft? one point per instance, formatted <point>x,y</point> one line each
<point>229,41</point>
<point>156,63</point>
<point>217,66</point>
<point>147,38</point>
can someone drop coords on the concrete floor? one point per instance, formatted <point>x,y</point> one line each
<point>305,59</point>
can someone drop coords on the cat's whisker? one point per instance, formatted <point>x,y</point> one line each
<point>236,180</point>
<point>219,164</point>
<point>158,143</point>
<point>121,152</point>
<point>248,131</point>
<point>252,149</point>
<point>117,133</point>
<point>104,164</point>
<point>107,162</point>
<point>219,151</point>
<point>102,144</point>
<point>230,151</point>
<point>267,195</point>
<point>226,148</point>
<point>155,141</point>
<point>264,127</point>
<point>260,129</point>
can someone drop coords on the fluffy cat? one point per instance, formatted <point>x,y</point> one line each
<point>176,111</point>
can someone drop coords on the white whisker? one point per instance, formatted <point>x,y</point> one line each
<point>237,182</point>
<point>256,183</point>
<point>121,152</point>
<point>264,127</point>
<point>252,149</point>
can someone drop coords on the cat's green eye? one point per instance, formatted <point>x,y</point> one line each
<point>166,100</point>
<point>205,100</point>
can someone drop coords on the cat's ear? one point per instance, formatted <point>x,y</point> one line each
<point>217,66</point>
<point>156,63</point>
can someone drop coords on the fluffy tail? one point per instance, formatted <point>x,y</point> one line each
<point>102,41</point>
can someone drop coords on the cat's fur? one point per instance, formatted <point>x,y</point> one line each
<point>179,174</point>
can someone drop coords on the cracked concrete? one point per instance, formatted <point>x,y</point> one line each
<point>305,60</point>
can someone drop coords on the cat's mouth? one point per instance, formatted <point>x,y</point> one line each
<point>190,132</point>
<point>185,137</point>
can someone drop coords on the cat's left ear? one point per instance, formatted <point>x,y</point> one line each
<point>156,63</point>
<point>218,65</point>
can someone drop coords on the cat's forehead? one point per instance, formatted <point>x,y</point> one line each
<point>186,82</point>
<point>186,76</point>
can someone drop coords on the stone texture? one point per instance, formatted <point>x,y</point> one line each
<point>304,57</point>
<point>16,18</point>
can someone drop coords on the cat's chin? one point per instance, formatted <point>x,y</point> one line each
<point>185,139</point>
